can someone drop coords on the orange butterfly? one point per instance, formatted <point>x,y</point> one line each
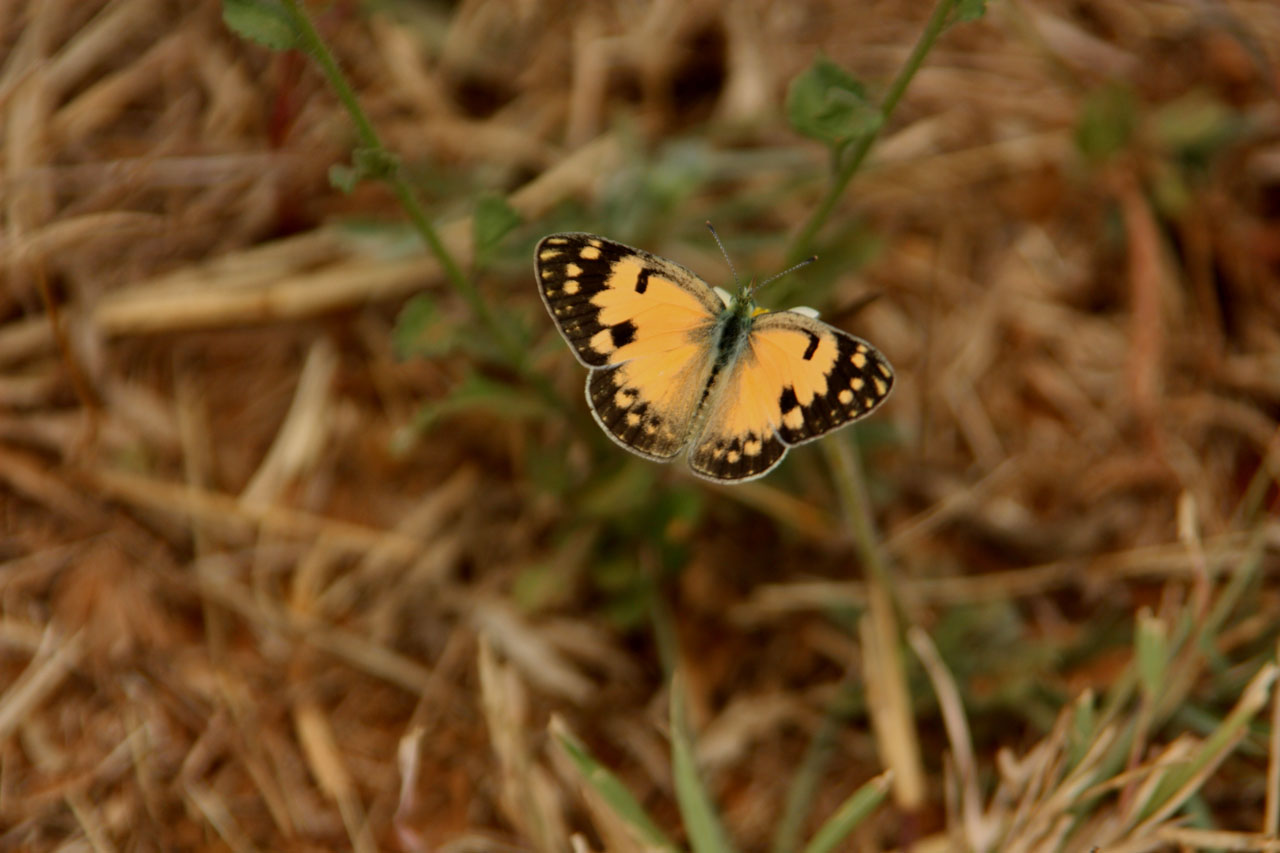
<point>676,365</point>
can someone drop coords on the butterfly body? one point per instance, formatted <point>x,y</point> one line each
<point>675,368</point>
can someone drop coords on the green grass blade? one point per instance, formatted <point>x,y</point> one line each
<point>1182,781</point>
<point>804,785</point>
<point>706,835</point>
<point>851,813</point>
<point>611,789</point>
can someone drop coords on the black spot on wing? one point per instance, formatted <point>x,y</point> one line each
<point>787,400</point>
<point>642,280</point>
<point>812,348</point>
<point>623,333</point>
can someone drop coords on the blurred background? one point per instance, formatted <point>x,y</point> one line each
<point>307,540</point>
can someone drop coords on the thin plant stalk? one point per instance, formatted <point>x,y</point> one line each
<point>862,146</point>
<point>374,158</point>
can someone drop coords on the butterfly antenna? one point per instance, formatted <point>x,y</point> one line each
<point>727,259</point>
<point>788,270</point>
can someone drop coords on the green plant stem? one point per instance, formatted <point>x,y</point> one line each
<point>853,160</point>
<point>389,171</point>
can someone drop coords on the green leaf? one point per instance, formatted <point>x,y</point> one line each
<point>706,835</point>
<point>610,788</point>
<point>969,10</point>
<point>493,220</point>
<point>827,103</point>
<point>263,21</point>
<point>852,812</point>
<point>1107,122</point>
<point>376,163</point>
<point>343,177</point>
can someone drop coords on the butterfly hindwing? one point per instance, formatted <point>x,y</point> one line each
<point>796,379</point>
<point>747,450</point>
<point>643,325</point>
<point>654,428</point>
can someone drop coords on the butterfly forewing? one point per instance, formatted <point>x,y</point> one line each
<point>643,324</point>
<point>603,296</point>
<point>829,377</point>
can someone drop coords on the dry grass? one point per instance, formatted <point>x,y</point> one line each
<point>235,616</point>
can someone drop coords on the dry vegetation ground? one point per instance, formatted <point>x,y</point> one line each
<point>247,605</point>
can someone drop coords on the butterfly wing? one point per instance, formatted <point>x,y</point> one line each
<point>796,379</point>
<point>643,324</point>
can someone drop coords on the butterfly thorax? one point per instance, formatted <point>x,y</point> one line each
<point>734,325</point>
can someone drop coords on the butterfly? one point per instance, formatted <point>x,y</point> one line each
<point>677,366</point>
